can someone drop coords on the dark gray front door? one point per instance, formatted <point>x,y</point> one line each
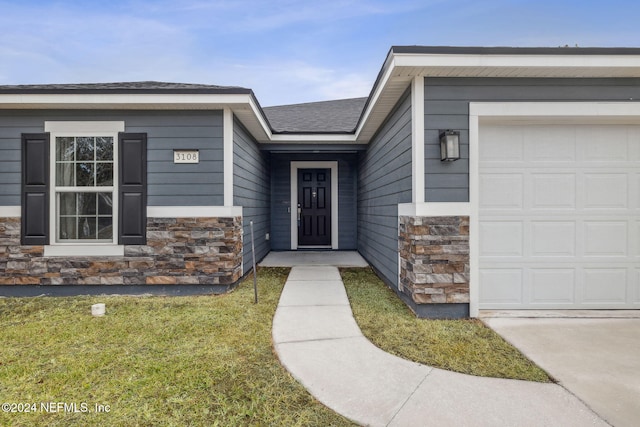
<point>314,204</point>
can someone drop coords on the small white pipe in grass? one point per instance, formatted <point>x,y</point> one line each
<point>98,310</point>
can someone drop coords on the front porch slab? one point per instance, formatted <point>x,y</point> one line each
<point>298,258</point>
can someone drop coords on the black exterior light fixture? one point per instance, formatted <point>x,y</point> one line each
<point>449,145</point>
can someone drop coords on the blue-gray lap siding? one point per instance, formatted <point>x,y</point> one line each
<point>384,181</point>
<point>281,197</point>
<point>169,184</point>
<point>446,106</point>
<point>252,191</point>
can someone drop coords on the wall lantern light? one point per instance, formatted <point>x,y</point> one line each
<point>449,145</point>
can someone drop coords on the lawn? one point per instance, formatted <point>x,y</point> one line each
<point>466,346</point>
<point>179,361</point>
<point>205,360</point>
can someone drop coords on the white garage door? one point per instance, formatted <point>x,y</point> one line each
<point>559,223</point>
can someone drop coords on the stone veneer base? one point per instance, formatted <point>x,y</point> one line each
<point>179,251</point>
<point>75,290</point>
<point>434,265</point>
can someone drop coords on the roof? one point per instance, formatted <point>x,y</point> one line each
<point>504,50</point>
<point>345,121</point>
<point>124,87</point>
<point>339,116</point>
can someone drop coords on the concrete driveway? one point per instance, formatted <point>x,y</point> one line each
<point>596,359</point>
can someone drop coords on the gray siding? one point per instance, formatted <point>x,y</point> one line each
<point>169,184</point>
<point>251,190</point>
<point>384,180</point>
<point>447,107</point>
<point>281,198</point>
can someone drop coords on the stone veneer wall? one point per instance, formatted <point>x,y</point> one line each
<point>205,251</point>
<point>434,259</point>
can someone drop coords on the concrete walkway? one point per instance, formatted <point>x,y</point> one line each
<point>319,342</point>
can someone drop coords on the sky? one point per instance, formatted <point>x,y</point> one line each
<point>286,51</point>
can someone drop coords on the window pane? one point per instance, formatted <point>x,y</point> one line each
<point>105,228</point>
<point>84,148</point>
<point>105,204</point>
<point>64,174</point>
<point>84,175</point>
<point>104,174</point>
<point>87,228</point>
<point>67,203</point>
<point>68,228</point>
<point>86,203</point>
<point>64,148</point>
<point>104,148</point>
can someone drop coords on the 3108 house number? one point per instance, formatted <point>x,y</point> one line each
<point>186,156</point>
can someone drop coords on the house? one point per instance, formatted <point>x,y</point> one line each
<point>143,186</point>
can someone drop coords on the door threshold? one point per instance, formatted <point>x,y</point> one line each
<point>313,247</point>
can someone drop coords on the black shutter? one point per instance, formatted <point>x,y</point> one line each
<point>132,161</point>
<point>35,189</point>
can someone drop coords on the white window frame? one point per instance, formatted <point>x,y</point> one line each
<point>78,129</point>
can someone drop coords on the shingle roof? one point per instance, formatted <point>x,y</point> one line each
<point>123,87</point>
<point>505,50</point>
<point>339,116</point>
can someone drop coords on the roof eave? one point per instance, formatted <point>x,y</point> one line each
<point>404,63</point>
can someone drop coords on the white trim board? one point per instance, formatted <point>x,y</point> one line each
<point>417,140</point>
<point>295,165</point>
<point>193,211</point>
<point>228,156</point>
<point>434,209</point>
<point>525,112</point>
<point>10,211</point>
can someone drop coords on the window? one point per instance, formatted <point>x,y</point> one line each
<point>84,188</point>
<point>84,192</point>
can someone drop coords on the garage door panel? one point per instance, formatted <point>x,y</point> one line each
<point>605,238</point>
<point>605,285</point>
<point>559,223</point>
<point>553,239</point>
<point>604,143</point>
<point>501,238</point>
<point>502,191</point>
<point>504,286</point>
<point>550,144</point>
<point>606,191</point>
<point>552,286</point>
<point>495,150</point>
<point>563,196</point>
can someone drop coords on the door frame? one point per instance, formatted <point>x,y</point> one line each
<point>333,166</point>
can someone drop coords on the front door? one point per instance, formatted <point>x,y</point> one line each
<point>314,207</point>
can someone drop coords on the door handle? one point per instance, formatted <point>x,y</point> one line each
<point>299,213</point>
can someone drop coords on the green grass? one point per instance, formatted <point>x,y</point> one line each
<point>466,346</point>
<point>207,360</point>
<point>173,361</point>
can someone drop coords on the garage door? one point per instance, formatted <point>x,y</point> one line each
<point>559,216</point>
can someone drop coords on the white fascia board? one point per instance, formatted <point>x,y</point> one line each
<point>515,61</point>
<point>178,101</point>
<point>193,211</point>
<point>386,74</point>
<point>260,117</point>
<point>314,138</point>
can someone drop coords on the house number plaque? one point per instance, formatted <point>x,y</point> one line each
<point>186,156</point>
